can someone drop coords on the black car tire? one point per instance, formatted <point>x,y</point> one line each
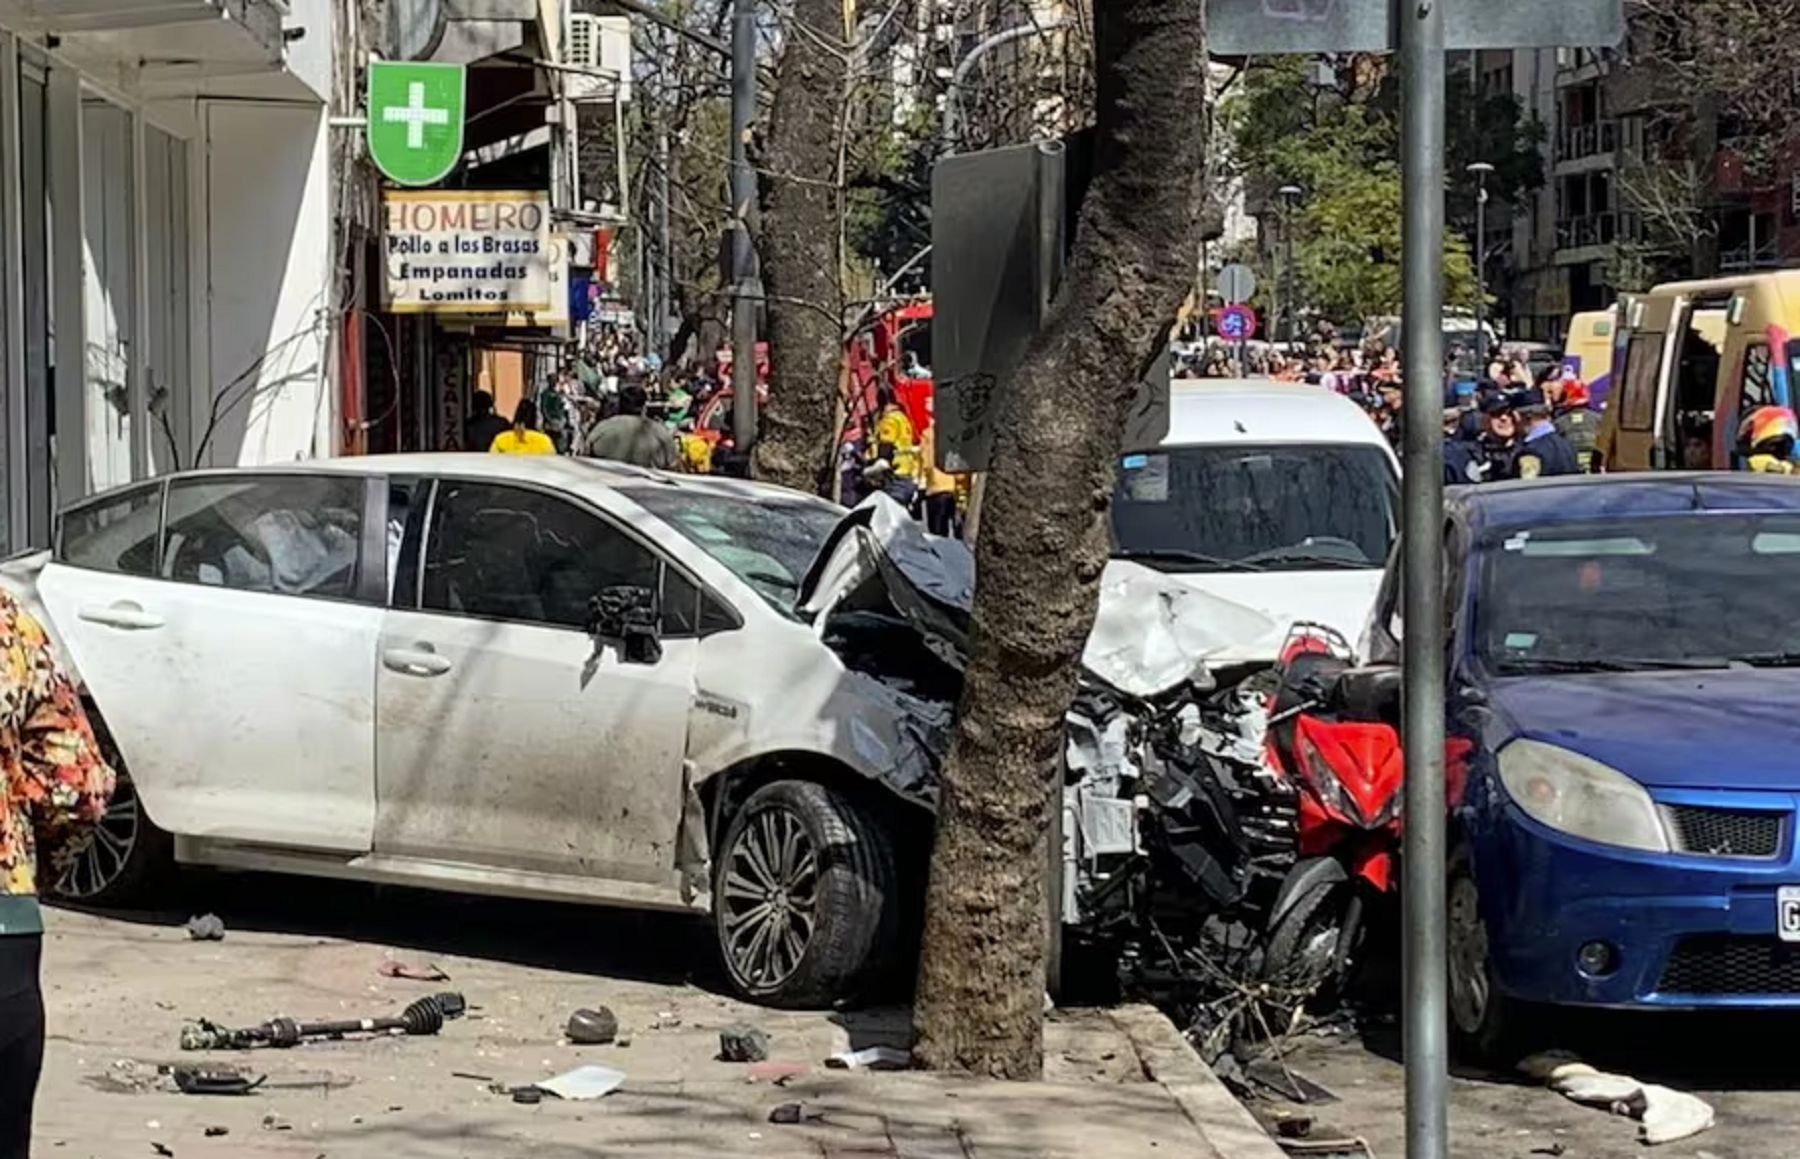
<point>100,879</point>
<point>848,901</point>
<point>1497,1031</point>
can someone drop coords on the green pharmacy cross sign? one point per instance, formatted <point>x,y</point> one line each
<point>415,120</point>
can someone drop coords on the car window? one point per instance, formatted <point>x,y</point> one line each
<point>1673,591</point>
<point>1643,360</point>
<point>511,553</point>
<point>114,533</point>
<point>767,542</point>
<point>1275,507</point>
<point>296,535</point>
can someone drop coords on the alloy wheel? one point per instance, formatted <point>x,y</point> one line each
<point>108,852</point>
<point>771,887</point>
<point>1470,991</point>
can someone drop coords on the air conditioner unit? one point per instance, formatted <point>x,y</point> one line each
<point>600,48</point>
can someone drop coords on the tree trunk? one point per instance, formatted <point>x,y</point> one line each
<point>799,251</point>
<point>1044,541</point>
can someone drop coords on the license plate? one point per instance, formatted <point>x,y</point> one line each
<point>1787,913</point>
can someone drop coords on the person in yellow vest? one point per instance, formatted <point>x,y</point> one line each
<point>696,452</point>
<point>524,438</point>
<point>896,445</point>
<point>940,489</point>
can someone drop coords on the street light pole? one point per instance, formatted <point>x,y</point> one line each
<point>1481,170</point>
<point>1289,195</point>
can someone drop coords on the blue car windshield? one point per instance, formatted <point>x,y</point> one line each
<point>1640,594</point>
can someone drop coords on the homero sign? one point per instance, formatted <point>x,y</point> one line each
<point>415,120</point>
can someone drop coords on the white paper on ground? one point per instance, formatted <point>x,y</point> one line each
<point>584,1082</point>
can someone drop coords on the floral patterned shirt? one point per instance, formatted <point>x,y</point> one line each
<point>54,784</point>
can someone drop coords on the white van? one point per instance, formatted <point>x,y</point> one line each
<point>1278,500</point>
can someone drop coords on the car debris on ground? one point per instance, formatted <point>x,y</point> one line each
<point>205,928</point>
<point>592,1027</point>
<point>743,1044</point>
<point>394,968</point>
<point>871,1058</point>
<point>423,1017</point>
<point>1663,1115</point>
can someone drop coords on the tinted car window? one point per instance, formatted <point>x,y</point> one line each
<point>115,533</point>
<point>509,553</point>
<point>296,535</point>
<point>1281,507</point>
<point>1673,591</point>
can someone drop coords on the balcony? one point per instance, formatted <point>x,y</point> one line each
<point>237,33</point>
<point>1595,139</point>
<point>1597,229</point>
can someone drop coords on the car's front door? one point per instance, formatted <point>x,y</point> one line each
<point>233,656</point>
<point>508,737</point>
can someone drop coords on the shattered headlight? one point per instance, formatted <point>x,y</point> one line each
<point>1580,796</point>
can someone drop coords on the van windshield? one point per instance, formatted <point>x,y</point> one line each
<point>1243,507</point>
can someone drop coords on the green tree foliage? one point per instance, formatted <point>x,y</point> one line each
<point>1339,142</point>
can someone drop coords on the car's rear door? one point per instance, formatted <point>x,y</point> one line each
<point>233,654</point>
<point>507,738</point>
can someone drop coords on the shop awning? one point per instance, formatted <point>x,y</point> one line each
<point>200,29</point>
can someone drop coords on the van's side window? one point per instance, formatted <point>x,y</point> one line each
<point>1637,410</point>
<point>1756,387</point>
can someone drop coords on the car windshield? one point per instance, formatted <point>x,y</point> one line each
<point>769,543</point>
<point>1637,593</point>
<point>1242,507</point>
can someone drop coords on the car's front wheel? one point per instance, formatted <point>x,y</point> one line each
<point>804,896</point>
<point>1486,1025</point>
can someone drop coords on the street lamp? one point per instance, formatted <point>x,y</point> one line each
<point>1482,170</point>
<point>1289,194</point>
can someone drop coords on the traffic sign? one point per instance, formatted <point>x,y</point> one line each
<point>1308,27</point>
<point>1235,323</point>
<point>415,120</point>
<point>1236,284</point>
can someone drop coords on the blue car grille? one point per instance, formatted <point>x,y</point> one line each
<point>1738,964</point>
<point>1725,832</point>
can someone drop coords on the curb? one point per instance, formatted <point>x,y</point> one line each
<point>1170,1060</point>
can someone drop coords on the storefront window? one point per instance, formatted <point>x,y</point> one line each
<point>107,201</point>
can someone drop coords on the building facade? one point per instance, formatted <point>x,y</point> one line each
<point>166,268</point>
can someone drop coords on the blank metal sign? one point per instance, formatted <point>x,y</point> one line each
<point>1272,27</point>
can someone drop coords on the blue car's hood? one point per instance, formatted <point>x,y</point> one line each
<point>1719,729</point>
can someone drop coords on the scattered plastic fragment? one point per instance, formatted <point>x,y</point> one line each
<point>394,968</point>
<point>742,1043</point>
<point>205,928</point>
<point>871,1058</point>
<point>593,1027</point>
<point>584,1082</point>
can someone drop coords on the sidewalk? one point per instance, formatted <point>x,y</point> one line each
<point>1118,1084</point>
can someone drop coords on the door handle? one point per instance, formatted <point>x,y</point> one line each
<point>123,614</point>
<point>415,661</point>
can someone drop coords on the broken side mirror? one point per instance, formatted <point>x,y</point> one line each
<point>628,617</point>
<point>1369,695</point>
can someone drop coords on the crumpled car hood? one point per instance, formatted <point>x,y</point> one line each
<point>1153,631</point>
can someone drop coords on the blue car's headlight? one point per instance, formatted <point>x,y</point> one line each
<point>1580,796</point>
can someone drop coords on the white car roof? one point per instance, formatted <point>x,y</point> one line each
<point>1210,411</point>
<point>567,472</point>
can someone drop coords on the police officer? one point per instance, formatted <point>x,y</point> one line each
<point>1463,463</point>
<point>1542,450</point>
<point>1498,443</point>
<point>1578,423</point>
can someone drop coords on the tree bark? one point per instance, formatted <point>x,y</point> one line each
<point>1044,541</point>
<point>799,251</point>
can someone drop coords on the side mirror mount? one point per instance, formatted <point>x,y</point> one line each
<point>628,617</point>
<point>1371,695</point>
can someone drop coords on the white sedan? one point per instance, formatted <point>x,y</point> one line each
<point>515,675</point>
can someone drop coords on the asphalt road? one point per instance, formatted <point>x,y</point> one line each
<point>1737,1063</point>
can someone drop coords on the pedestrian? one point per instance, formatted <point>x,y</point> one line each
<point>54,787</point>
<point>484,426</point>
<point>1766,440</point>
<point>1542,451</point>
<point>632,437</point>
<point>1577,422</point>
<point>523,437</point>
<point>1498,444</point>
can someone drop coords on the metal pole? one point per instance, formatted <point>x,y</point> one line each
<point>1481,359</point>
<point>1293,304</point>
<point>665,254</point>
<point>1421,59</point>
<point>743,193</point>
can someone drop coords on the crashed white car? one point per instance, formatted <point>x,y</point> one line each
<point>542,676</point>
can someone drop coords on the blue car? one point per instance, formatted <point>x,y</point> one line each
<point>1624,723</point>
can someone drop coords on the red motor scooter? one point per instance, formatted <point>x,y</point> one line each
<point>1334,736</point>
